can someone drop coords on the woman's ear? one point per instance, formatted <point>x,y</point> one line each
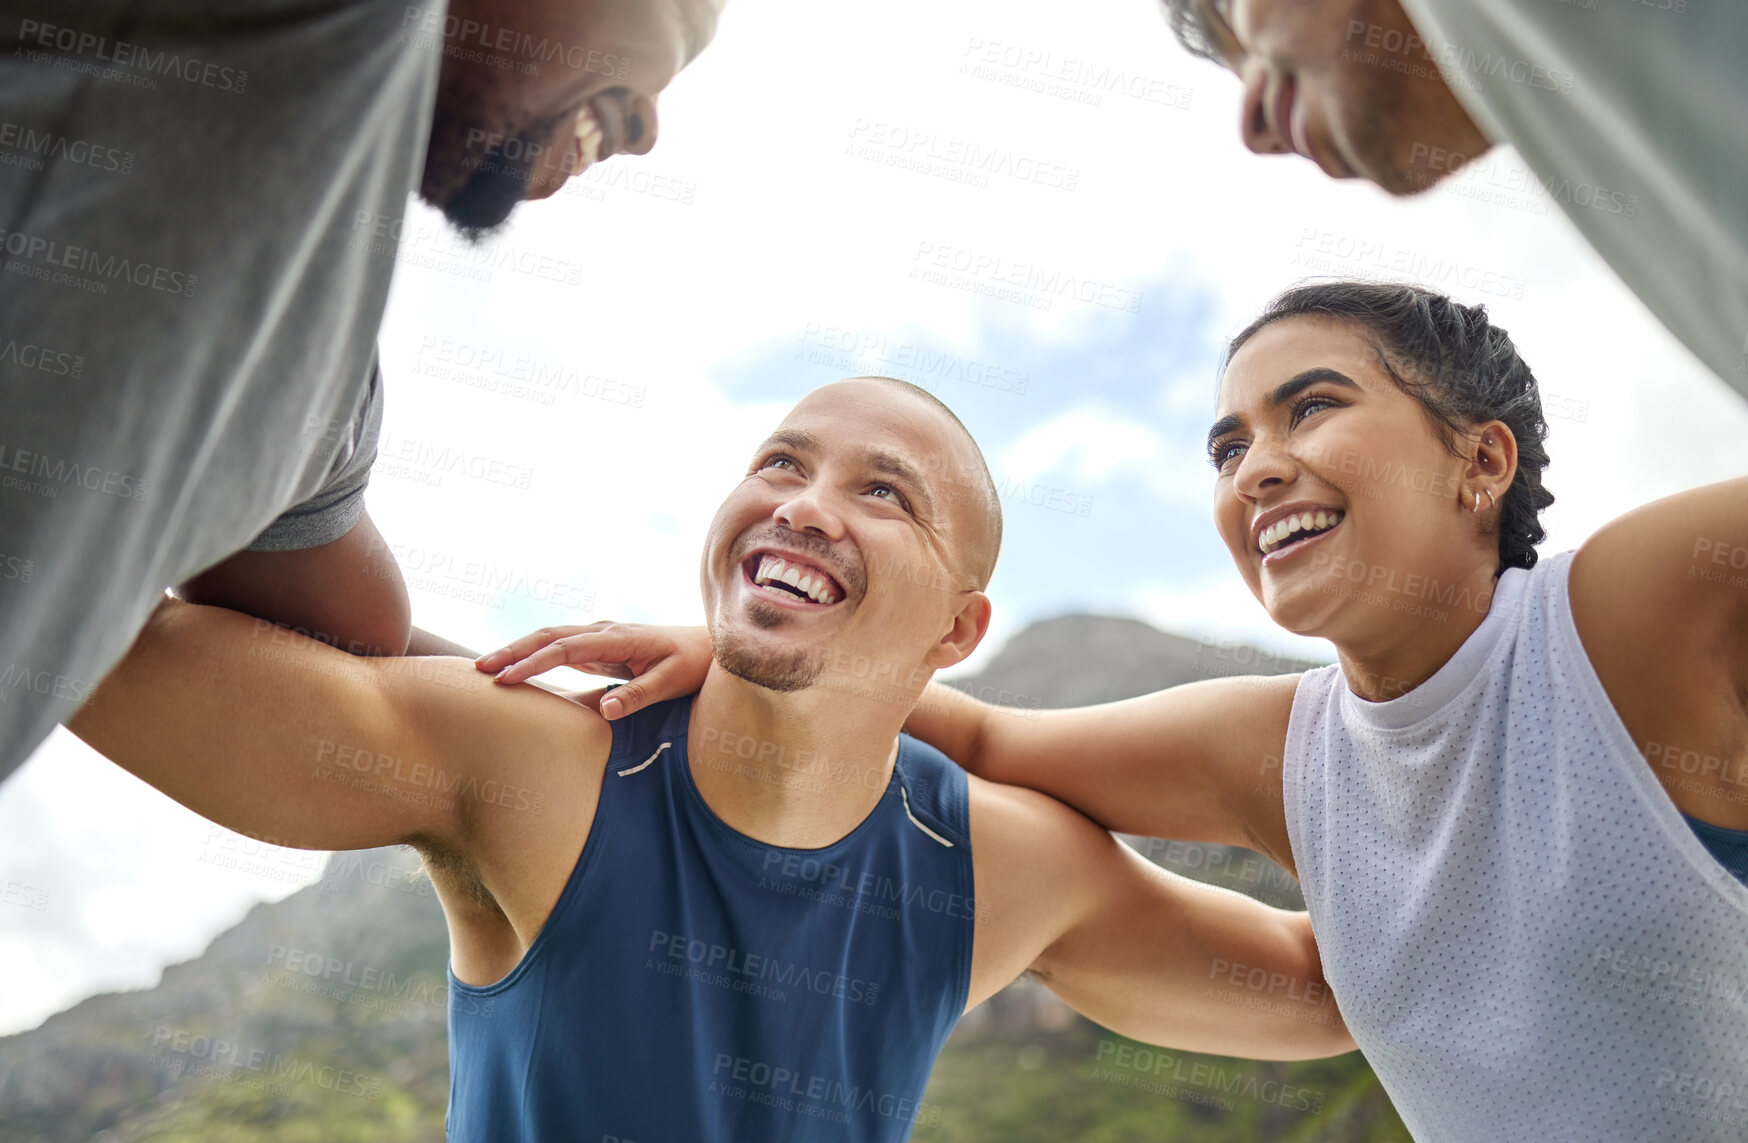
<point>1494,463</point>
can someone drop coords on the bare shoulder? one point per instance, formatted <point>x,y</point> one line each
<point>1238,722</point>
<point>523,776</point>
<point>484,727</point>
<point>1656,583</point>
<point>1660,601</point>
<point>1255,709</point>
<point>1245,727</point>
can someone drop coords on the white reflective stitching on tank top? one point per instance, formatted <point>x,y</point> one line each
<point>645,762</point>
<point>905,794</point>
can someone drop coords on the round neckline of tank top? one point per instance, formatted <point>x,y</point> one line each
<point>1457,673</point>
<point>681,738</point>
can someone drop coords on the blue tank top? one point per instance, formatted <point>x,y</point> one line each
<point>1729,846</point>
<point>693,985</point>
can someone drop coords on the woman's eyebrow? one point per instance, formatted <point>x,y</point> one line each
<point>1221,427</point>
<point>1281,394</point>
<point>1291,387</point>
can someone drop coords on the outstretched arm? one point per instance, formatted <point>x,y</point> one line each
<point>1145,953</point>
<point>284,739</point>
<point>1199,762</point>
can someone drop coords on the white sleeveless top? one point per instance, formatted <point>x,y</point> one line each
<point>1526,939</point>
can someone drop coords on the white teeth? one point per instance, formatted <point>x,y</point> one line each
<point>774,570</point>
<point>1277,533</point>
<point>589,139</point>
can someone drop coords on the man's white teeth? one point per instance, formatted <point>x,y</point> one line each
<point>589,138</point>
<point>774,570</point>
<point>1307,523</point>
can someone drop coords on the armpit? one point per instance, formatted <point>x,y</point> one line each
<point>448,867</point>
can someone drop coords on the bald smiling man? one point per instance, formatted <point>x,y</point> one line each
<point>754,912</point>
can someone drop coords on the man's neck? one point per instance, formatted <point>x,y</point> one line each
<point>799,770</point>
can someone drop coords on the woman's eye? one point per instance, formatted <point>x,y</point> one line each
<point>1223,454</point>
<point>781,462</point>
<point>1310,405</point>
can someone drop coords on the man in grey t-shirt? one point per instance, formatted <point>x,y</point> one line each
<point>198,207</point>
<point>1632,116</point>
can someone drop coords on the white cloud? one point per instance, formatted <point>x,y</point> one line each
<point>1084,444</point>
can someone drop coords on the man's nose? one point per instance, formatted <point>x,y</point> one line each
<point>1253,120</point>
<point>640,125</point>
<point>807,512</point>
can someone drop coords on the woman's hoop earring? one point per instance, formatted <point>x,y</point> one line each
<point>1491,502</point>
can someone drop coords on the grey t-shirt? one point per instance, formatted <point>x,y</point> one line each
<point>198,204</point>
<point>338,505</point>
<point>1633,114</point>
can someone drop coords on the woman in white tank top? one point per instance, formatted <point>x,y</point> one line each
<point>1484,798</point>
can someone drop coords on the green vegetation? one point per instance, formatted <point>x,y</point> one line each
<point>1069,1085</point>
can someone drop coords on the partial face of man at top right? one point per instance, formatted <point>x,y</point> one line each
<point>1348,84</point>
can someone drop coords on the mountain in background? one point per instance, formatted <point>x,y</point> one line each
<point>321,1018</point>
